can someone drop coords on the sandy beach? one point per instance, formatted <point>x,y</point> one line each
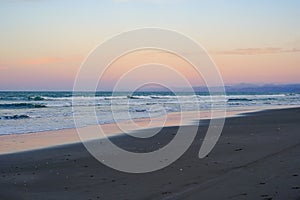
<point>149,100</point>
<point>257,157</point>
<point>12,143</point>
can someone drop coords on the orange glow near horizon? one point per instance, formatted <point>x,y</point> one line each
<point>234,68</point>
<point>250,41</point>
<point>152,72</point>
<point>261,68</point>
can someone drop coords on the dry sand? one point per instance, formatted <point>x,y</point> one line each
<point>257,157</point>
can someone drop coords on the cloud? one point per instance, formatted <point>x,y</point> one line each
<point>257,51</point>
<point>50,60</point>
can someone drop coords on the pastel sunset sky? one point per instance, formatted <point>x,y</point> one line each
<point>44,42</point>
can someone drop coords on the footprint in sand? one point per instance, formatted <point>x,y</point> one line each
<point>266,197</point>
<point>240,149</point>
<point>164,193</point>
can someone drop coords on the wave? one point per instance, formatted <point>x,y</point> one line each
<point>68,104</point>
<point>291,94</point>
<point>21,105</point>
<point>14,117</point>
<point>112,97</point>
<point>12,98</point>
<point>238,99</point>
<point>165,97</point>
<point>267,99</point>
<point>138,97</point>
<point>80,98</point>
<point>149,104</point>
<point>140,110</point>
<point>36,98</point>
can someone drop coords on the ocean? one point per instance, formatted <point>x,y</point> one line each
<point>27,112</point>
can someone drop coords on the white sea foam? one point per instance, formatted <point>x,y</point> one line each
<point>53,110</point>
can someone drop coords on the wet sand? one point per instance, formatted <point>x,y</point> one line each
<point>30,141</point>
<point>257,157</point>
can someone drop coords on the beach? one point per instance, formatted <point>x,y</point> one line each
<point>256,157</point>
<point>149,100</point>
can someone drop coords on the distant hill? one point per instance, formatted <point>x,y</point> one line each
<point>253,88</point>
<point>238,88</point>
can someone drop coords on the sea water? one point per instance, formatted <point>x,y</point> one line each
<point>26,112</point>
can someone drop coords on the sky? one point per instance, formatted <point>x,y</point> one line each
<point>44,42</point>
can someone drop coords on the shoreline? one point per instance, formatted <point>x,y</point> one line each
<point>47,139</point>
<point>256,157</point>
